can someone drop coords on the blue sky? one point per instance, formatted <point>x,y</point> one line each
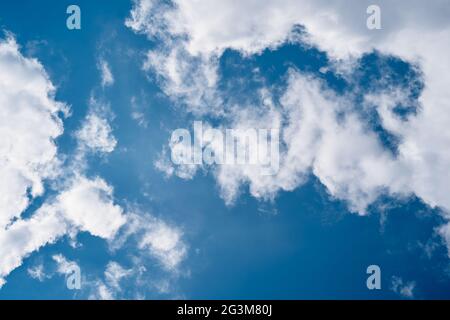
<point>190,235</point>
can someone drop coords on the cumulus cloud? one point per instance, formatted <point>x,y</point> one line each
<point>156,238</point>
<point>29,124</point>
<point>324,137</point>
<point>26,236</point>
<point>338,28</point>
<point>95,134</point>
<point>186,77</point>
<point>319,135</point>
<point>194,37</point>
<point>165,243</point>
<point>88,204</point>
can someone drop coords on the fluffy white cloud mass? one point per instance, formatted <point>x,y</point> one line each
<point>338,28</point>
<point>27,156</point>
<point>346,157</point>
<point>156,238</point>
<point>165,243</point>
<point>29,124</point>
<point>26,236</point>
<point>88,205</point>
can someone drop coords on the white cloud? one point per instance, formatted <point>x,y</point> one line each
<point>191,79</point>
<point>156,239</point>
<point>324,137</point>
<point>29,123</point>
<point>347,158</point>
<point>88,204</point>
<point>164,242</point>
<point>405,289</point>
<point>26,236</point>
<point>85,205</point>
<point>95,133</point>
<point>319,135</point>
<point>106,74</point>
<point>338,28</point>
